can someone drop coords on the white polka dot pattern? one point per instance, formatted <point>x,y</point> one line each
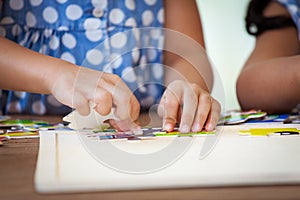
<point>48,32</point>
<point>147,17</point>
<point>36,2</point>
<point>157,70</point>
<point>135,55</point>
<point>38,107</point>
<point>54,42</point>
<point>91,33</point>
<point>16,30</point>
<point>128,75</point>
<point>116,16</point>
<point>150,2</point>
<point>92,24</point>
<point>63,28</point>
<point>99,3</point>
<point>16,4</point>
<point>69,40</point>
<point>68,57</point>
<point>119,40</point>
<point>61,1</point>
<point>130,4</point>
<point>94,57</point>
<point>7,20</point>
<point>155,33</point>
<point>14,107</point>
<point>20,95</point>
<point>152,54</point>
<point>131,22</point>
<point>94,36</point>
<point>160,16</point>
<point>293,9</point>
<point>30,19</point>
<point>50,15</point>
<point>143,60</point>
<point>74,12</point>
<point>117,60</point>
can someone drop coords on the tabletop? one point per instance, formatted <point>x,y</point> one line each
<point>18,161</point>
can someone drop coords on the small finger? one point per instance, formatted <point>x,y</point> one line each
<point>171,107</point>
<point>202,113</point>
<point>214,116</point>
<point>190,104</point>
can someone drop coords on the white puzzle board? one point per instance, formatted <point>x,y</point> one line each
<point>65,165</point>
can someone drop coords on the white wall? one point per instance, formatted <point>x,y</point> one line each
<point>227,42</point>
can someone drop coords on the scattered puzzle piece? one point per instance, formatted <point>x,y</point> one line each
<point>22,135</point>
<point>92,121</point>
<point>270,131</point>
<point>25,128</point>
<point>238,117</point>
<point>4,118</point>
<point>148,134</point>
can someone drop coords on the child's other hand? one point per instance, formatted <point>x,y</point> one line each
<point>190,105</point>
<point>78,86</point>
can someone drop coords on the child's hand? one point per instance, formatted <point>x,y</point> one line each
<point>77,87</point>
<point>190,105</point>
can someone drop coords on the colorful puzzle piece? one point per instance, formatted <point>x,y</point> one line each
<point>269,118</point>
<point>293,119</point>
<point>270,131</point>
<point>21,134</point>
<point>25,128</point>
<point>4,118</point>
<point>175,133</point>
<point>238,117</point>
<point>2,139</point>
<point>148,133</point>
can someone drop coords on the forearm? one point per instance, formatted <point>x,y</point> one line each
<point>180,69</point>
<point>25,70</point>
<point>272,85</point>
<point>185,55</point>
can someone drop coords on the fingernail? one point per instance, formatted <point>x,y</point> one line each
<point>196,128</point>
<point>137,130</point>
<point>209,127</point>
<point>167,127</point>
<point>184,128</point>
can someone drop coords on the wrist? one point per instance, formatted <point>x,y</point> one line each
<point>60,73</point>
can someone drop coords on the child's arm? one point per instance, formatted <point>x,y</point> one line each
<point>25,70</point>
<point>270,79</point>
<point>189,76</point>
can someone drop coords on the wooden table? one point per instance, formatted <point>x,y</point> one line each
<point>18,161</point>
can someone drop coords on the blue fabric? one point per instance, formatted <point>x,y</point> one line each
<point>293,7</point>
<point>92,33</point>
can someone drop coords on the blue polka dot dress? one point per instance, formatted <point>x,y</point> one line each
<point>108,35</point>
<point>293,7</point>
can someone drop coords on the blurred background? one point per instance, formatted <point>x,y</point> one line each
<point>227,43</point>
